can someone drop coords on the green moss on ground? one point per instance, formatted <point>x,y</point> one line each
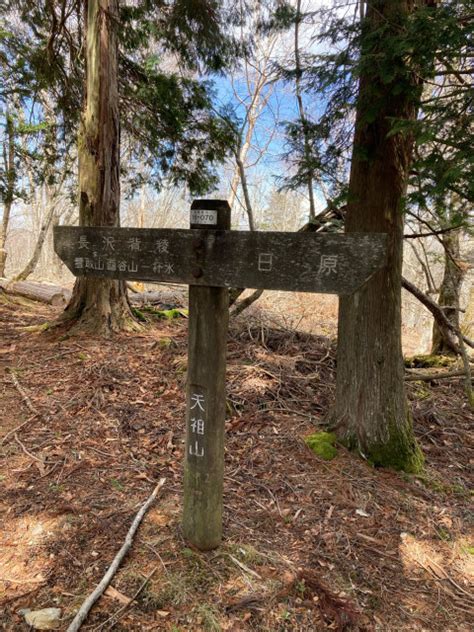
<point>435,483</point>
<point>165,314</point>
<point>323,444</point>
<point>165,343</point>
<point>428,361</point>
<point>139,315</point>
<point>170,314</point>
<point>39,328</point>
<point>420,391</point>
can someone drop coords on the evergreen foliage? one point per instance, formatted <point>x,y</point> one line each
<point>167,117</point>
<point>431,51</point>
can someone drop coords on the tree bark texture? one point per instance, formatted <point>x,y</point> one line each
<point>9,166</point>
<point>7,205</point>
<point>371,413</point>
<point>449,292</point>
<point>100,305</point>
<point>468,320</point>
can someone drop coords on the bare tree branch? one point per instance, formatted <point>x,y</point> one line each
<point>443,323</point>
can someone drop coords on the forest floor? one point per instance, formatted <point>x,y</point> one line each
<point>308,544</point>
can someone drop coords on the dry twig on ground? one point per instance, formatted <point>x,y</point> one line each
<point>23,394</point>
<point>29,405</point>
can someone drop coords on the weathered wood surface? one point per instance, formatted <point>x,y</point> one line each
<point>42,292</point>
<point>205,407</point>
<point>303,262</point>
<point>170,297</point>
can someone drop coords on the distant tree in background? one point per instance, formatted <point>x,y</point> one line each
<point>253,86</point>
<point>7,182</point>
<point>449,292</point>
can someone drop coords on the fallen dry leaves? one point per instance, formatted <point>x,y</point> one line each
<point>309,545</point>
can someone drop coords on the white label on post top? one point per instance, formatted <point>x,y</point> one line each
<point>201,216</point>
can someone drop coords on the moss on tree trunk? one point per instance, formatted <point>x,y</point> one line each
<point>396,449</point>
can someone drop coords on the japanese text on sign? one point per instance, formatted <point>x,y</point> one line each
<point>113,255</point>
<point>197,410</point>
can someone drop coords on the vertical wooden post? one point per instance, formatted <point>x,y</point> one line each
<point>205,398</point>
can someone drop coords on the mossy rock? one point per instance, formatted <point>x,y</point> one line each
<point>428,361</point>
<point>323,444</point>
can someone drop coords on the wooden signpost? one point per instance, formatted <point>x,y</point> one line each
<point>211,258</point>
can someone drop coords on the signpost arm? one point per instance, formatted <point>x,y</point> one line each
<point>206,397</point>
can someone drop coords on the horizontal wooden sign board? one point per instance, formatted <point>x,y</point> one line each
<point>300,262</point>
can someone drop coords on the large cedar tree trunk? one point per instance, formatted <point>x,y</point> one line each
<point>100,305</point>
<point>371,412</point>
<point>449,291</point>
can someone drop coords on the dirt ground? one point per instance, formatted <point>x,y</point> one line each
<point>88,427</point>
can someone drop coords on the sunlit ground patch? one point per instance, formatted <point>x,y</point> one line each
<point>449,564</point>
<point>24,561</point>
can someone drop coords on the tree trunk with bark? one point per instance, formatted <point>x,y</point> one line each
<point>100,305</point>
<point>468,320</point>
<point>33,261</point>
<point>371,413</point>
<point>449,292</point>
<point>9,166</point>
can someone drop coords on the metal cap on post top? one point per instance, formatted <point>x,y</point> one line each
<point>210,214</point>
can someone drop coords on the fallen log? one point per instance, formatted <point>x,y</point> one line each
<point>42,292</point>
<point>145,298</point>
<point>59,296</point>
<point>428,377</point>
<point>160,297</point>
